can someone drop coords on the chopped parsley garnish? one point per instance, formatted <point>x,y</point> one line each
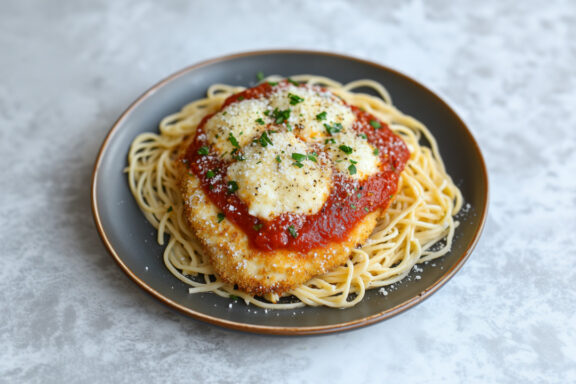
<point>292,82</point>
<point>359,195</point>
<point>280,116</point>
<point>234,297</point>
<point>346,149</point>
<point>288,127</point>
<point>240,98</point>
<point>273,83</point>
<point>375,151</point>
<point>257,227</point>
<point>375,124</point>
<point>220,217</point>
<point>260,121</point>
<point>260,76</point>
<point>266,112</point>
<point>292,231</point>
<point>366,209</point>
<point>237,155</point>
<point>330,141</point>
<point>321,116</point>
<point>278,159</point>
<point>298,164</point>
<point>170,209</point>
<point>352,169</point>
<point>210,174</point>
<point>312,157</point>
<point>295,99</point>
<point>233,140</point>
<point>353,206</point>
<point>334,128</point>
<point>363,135</point>
<point>299,156</point>
<point>204,150</point>
<point>353,161</point>
<point>264,140</point>
<point>232,186</point>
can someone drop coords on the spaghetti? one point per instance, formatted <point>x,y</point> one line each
<point>417,226</point>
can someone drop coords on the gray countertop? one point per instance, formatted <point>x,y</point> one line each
<point>69,68</point>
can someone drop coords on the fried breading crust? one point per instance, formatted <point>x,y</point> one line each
<point>254,271</point>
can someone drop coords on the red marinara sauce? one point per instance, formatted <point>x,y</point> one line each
<point>349,201</point>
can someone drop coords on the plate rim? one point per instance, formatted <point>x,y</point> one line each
<point>286,330</point>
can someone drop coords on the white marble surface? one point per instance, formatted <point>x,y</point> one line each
<point>69,68</point>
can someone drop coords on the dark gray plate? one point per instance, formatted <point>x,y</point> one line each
<point>132,240</point>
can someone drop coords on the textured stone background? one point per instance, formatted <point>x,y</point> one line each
<point>69,68</point>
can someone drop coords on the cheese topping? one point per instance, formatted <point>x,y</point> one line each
<point>236,122</point>
<point>285,147</point>
<point>316,109</point>
<point>271,182</point>
<point>350,149</point>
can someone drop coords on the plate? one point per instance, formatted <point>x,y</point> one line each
<point>132,240</point>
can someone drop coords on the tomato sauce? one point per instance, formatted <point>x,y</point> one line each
<point>349,202</point>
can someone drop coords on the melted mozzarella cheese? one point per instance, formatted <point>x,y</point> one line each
<point>239,120</point>
<point>303,114</point>
<point>271,183</point>
<point>361,155</point>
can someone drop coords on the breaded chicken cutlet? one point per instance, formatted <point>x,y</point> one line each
<point>284,181</point>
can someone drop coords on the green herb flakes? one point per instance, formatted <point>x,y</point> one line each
<point>294,99</point>
<point>292,231</point>
<point>334,128</point>
<point>280,116</point>
<point>264,140</point>
<point>352,169</point>
<point>299,156</point>
<point>232,186</point>
<point>292,82</point>
<point>375,124</point>
<point>233,140</point>
<point>204,150</point>
<point>346,149</point>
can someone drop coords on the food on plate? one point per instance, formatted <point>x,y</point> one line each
<point>294,192</point>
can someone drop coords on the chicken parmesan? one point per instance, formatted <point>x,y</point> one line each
<point>284,181</point>
<point>291,188</point>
